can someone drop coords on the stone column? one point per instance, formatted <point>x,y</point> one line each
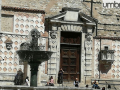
<point>34,70</point>
<point>25,70</point>
<point>28,71</point>
<point>39,76</point>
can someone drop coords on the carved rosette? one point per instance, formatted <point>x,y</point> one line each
<point>53,35</point>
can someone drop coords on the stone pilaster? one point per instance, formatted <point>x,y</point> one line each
<point>58,54</point>
<point>82,58</point>
<point>53,45</point>
<point>88,54</point>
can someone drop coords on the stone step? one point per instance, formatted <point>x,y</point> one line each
<point>72,85</point>
<point>90,86</point>
<point>81,85</point>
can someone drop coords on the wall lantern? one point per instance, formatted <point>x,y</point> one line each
<point>8,43</point>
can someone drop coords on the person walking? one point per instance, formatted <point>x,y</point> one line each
<point>76,82</point>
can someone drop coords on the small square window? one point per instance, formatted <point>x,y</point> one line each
<point>105,47</point>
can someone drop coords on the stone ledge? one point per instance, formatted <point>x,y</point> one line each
<point>43,88</point>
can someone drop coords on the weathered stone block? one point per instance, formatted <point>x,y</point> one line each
<point>62,26</point>
<point>89,56</point>
<point>52,65</point>
<point>71,16</point>
<point>65,26</point>
<point>54,27</point>
<point>52,60</point>
<point>69,28</point>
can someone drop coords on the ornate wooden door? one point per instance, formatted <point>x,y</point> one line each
<point>70,64</point>
<point>70,55</point>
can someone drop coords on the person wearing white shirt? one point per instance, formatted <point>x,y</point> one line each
<point>27,81</point>
<point>76,82</point>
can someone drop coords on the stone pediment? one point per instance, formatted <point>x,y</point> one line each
<point>72,16</point>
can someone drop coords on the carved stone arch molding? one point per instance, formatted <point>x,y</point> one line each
<point>71,27</point>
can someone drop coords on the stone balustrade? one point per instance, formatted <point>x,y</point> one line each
<point>107,55</point>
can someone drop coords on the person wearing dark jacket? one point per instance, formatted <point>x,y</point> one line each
<point>60,76</point>
<point>18,80</point>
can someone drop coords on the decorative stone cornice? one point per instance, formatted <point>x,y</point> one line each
<point>109,30</point>
<point>69,9</point>
<point>14,34</point>
<point>111,38</point>
<point>109,24</point>
<point>22,9</point>
<point>105,14</point>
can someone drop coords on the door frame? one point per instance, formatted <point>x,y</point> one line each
<point>80,54</point>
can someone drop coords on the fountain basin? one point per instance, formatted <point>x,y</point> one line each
<point>34,56</point>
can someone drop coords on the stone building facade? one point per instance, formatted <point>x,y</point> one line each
<point>84,46</point>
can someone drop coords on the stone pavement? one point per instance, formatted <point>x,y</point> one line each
<point>18,87</point>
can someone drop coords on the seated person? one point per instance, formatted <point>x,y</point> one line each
<point>51,82</point>
<point>87,86</point>
<point>95,84</point>
<point>76,82</point>
<point>103,88</point>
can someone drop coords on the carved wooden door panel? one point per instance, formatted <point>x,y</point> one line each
<point>70,64</point>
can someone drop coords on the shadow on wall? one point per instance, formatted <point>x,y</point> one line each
<point>105,66</point>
